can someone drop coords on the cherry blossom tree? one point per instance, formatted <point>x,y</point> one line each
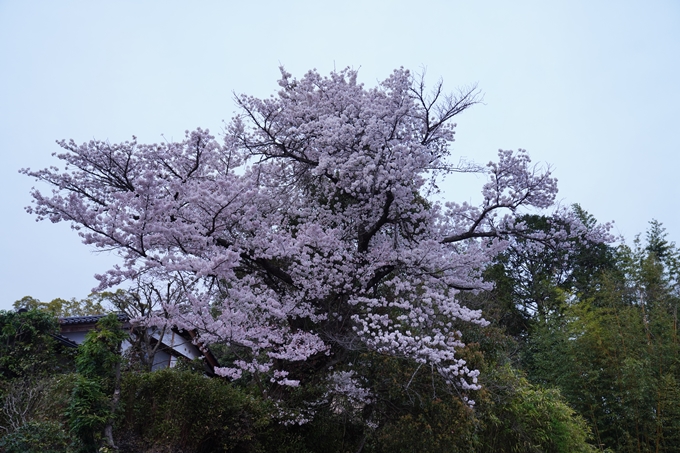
<point>310,230</point>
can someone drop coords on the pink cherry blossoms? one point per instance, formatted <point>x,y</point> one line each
<point>306,232</point>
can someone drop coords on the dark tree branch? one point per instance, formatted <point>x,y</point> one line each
<point>470,235</point>
<point>365,237</point>
<point>263,264</point>
<point>380,273</point>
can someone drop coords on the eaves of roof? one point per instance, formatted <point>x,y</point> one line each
<point>64,340</point>
<point>90,319</point>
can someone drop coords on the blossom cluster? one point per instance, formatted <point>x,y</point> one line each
<point>306,230</point>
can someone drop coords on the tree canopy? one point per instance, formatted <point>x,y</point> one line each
<point>309,235</point>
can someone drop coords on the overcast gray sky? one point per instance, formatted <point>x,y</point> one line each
<point>591,87</point>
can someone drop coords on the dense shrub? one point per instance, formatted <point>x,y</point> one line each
<point>437,425</point>
<point>517,416</point>
<point>184,411</point>
<point>24,400</point>
<point>95,396</point>
<point>27,345</point>
<point>38,437</point>
<point>419,411</point>
<point>89,410</point>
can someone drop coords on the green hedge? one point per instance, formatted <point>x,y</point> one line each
<point>38,437</point>
<point>188,412</point>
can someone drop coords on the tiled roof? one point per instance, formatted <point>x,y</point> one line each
<point>64,340</point>
<point>91,319</point>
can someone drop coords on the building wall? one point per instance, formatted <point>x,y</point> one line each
<point>162,359</point>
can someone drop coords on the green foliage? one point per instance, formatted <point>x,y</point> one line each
<point>38,437</point>
<point>133,303</point>
<point>517,416</point>
<point>616,355</point>
<point>60,308</point>
<point>187,411</point>
<point>91,406</point>
<point>100,353</point>
<point>417,410</point>
<point>657,245</point>
<point>411,409</point>
<point>27,346</point>
<point>439,424</point>
<point>88,412</point>
<point>531,282</point>
<point>24,400</point>
<point>31,411</point>
<point>596,340</point>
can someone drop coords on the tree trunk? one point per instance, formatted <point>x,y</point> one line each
<point>115,402</point>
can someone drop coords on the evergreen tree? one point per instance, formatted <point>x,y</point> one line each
<point>616,355</point>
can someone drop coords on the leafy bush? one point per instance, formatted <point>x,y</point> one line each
<point>188,412</point>
<point>37,437</point>
<point>27,348</point>
<point>419,412</point>
<point>88,411</point>
<point>24,400</point>
<point>94,399</point>
<point>410,408</point>
<point>437,425</point>
<point>517,416</point>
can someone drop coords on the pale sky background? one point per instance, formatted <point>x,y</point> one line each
<point>591,87</point>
